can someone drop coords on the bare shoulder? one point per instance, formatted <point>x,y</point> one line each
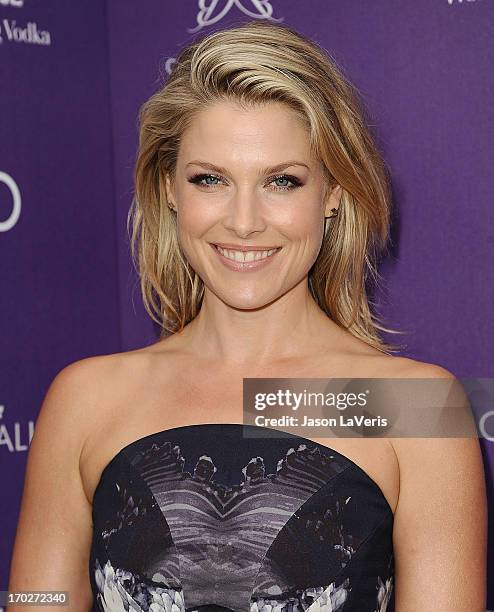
<point>54,529</point>
<point>107,373</point>
<point>83,395</point>
<point>406,367</point>
<point>71,396</point>
<point>81,384</point>
<point>367,361</point>
<point>418,453</point>
<point>441,509</point>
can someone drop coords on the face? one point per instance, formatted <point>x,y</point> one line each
<point>228,191</point>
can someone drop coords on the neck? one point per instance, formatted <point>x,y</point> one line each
<point>290,327</point>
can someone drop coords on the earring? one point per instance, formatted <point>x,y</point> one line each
<point>170,206</point>
<point>334,213</point>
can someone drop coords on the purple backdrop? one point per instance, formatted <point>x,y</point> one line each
<point>73,76</point>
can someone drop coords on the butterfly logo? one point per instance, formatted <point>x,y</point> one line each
<point>209,13</point>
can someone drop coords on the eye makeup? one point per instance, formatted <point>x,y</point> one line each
<point>295,182</point>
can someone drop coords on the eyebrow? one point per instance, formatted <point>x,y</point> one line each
<point>267,170</point>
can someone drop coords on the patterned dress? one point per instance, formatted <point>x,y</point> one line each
<point>218,517</point>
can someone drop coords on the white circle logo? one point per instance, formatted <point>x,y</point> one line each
<point>12,219</point>
<point>482,425</point>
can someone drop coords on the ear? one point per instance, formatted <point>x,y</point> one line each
<point>170,196</point>
<point>333,199</point>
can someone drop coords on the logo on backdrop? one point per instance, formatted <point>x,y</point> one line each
<point>28,34</point>
<point>16,439</point>
<point>207,13</point>
<point>15,194</point>
<point>17,3</point>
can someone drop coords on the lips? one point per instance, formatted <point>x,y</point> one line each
<point>242,261</point>
<point>246,256</point>
<point>240,247</point>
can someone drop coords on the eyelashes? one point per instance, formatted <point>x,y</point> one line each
<point>197,178</point>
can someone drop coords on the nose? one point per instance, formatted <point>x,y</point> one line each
<point>245,213</point>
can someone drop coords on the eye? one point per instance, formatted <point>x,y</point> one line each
<point>198,178</point>
<point>286,177</point>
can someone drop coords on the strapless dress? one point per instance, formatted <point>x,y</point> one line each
<point>229,517</point>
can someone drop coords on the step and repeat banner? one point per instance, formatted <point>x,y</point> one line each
<point>73,75</point>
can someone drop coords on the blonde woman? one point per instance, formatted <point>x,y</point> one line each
<point>261,205</point>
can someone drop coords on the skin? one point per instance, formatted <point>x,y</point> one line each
<point>97,405</point>
<point>245,208</point>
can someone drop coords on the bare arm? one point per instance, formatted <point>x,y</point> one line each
<point>440,529</point>
<point>53,537</point>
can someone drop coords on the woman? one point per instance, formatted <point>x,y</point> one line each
<point>261,206</point>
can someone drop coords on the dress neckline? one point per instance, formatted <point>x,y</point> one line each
<point>283,433</point>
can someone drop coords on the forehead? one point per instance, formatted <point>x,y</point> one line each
<point>266,133</point>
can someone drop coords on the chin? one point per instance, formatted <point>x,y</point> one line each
<point>246,303</point>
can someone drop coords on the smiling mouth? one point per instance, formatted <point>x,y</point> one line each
<point>246,256</point>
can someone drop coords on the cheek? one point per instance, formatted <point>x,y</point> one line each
<point>196,217</point>
<point>301,222</point>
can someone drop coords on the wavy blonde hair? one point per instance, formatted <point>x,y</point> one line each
<point>251,64</point>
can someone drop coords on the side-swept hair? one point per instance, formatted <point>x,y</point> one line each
<point>251,64</point>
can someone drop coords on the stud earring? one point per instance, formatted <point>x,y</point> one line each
<point>327,225</point>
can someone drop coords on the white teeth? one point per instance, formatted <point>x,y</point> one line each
<point>245,256</point>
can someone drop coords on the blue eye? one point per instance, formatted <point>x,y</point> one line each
<point>291,179</point>
<point>198,178</point>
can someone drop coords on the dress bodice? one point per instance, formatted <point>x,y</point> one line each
<point>219,517</point>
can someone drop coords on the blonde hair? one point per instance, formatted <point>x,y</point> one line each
<point>256,63</point>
